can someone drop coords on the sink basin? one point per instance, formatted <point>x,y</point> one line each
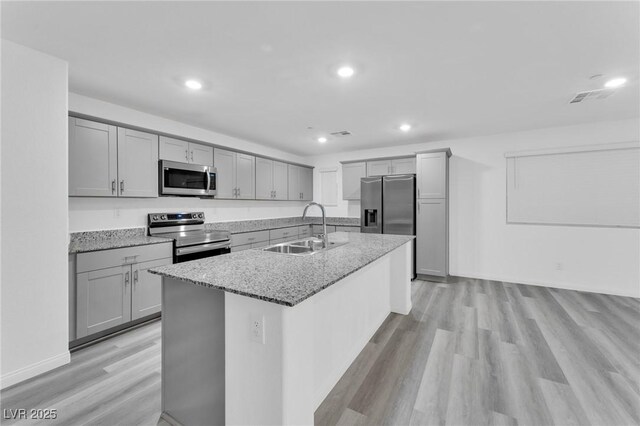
<point>301,247</point>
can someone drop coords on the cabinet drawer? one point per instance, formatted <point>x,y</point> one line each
<point>122,256</point>
<point>317,229</point>
<point>304,231</point>
<point>240,248</point>
<point>291,232</point>
<point>260,244</point>
<point>347,229</point>
<point>249,238</point>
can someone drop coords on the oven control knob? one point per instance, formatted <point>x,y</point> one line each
<point>163,217</point>
<point>200,215</point>
<point>155,217</point>
<point>194,216</point>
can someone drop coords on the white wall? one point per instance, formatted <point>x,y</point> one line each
<point>91,213</point>
<point>34,213</point>
<point>482,245</point>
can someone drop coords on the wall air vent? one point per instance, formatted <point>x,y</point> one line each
<point>591,95</point>
<point>341,133</point>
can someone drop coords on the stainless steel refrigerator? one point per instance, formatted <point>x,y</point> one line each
<point>388,206</point>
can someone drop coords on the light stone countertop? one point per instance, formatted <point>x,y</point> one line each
<point>281,278</point>
<point>82,242</point>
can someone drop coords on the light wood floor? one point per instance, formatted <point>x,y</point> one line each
<point>471,352</point>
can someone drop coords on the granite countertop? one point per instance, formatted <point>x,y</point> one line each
<point>237,227</point>
<point>281,278</point>
<point>82,242</point>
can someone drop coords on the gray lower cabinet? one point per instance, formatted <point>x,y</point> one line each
<point>431,241</point>
<point>104,300</point>
<point>114,287</point>
<point>347,229</point>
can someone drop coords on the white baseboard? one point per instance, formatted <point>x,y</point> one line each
<point>562,286</point>
<point>35,369</point>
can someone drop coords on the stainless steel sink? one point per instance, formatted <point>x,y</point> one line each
<point>304,247</point>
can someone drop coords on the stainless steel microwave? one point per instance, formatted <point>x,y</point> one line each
<point>187,179</point>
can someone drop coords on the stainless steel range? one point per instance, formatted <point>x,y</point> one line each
<point>191,240</point>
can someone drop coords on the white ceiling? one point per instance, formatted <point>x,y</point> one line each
<point>452,69</point>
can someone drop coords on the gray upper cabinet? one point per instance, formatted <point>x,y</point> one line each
<point>391,166</point>
<point>137,163</point>
<point>351,175</point>
<point>224,162</point>
<point>271,179</point>
<point>432,175</point>
<point>378,168</point>
<point>185,152</point>
<point>306,183</point>
<point>300,182</point>
<point>110,161</point>
<point>403,166</point>
<point>93,158</point>
<point>431,237</point>
<point>236,174</point>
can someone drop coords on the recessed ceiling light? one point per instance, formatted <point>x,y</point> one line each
<point>346,71</point>
<point>193,84</point>
<point>322,139</point>
<point>615,82</point>
<point>405,127</point>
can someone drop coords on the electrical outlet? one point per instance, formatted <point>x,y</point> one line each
<point>257,329</point>
<point>559,266</point>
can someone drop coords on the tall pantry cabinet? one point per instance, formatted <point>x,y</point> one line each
<point>432,212</point>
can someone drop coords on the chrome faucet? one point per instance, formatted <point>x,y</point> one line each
<point>325,238</point>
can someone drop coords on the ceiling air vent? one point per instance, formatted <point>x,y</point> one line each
<point>590,95</point>
<point>341,133</point>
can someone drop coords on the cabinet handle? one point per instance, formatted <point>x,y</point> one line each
<point>113,186</point>
<point>126,279</point>
<point>238,192</point>
<point>135,276</point>
<point>121,186</point>
<point>418,207</point>
<point>418,192</point>
<point>186,155</point>
<point>192,155</point>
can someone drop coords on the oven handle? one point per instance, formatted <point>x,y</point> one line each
<point>203,247</point>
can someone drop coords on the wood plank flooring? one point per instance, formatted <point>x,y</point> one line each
<point>471,352</point>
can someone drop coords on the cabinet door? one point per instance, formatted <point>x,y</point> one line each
<point>146,289</point>
<point>306,183</point>
<point>431,177</point>
<point>431,234</point>
<point>93,158</point>
<point>264,179</point>
<point>103,299</point>
<point>137,163</point>
<point>280,181</point>
<point>174,149</point>
<point>224,162</point>
<point>293,176</point>
<point>351,174</point>
<point>246,176</point>
<point>378,168</point>
<point>403,166</point>
<point>200,154</point>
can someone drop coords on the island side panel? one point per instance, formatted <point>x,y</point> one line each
<point>307,347</point>
<point>193,354</point>
<point>401,272</point>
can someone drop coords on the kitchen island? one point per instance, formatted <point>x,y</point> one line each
<point>257,337</point>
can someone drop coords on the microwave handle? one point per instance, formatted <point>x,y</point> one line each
<point>208,180</point>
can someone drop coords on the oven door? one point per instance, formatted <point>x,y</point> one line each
<point>186,179</point>
<point>185,254</point>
